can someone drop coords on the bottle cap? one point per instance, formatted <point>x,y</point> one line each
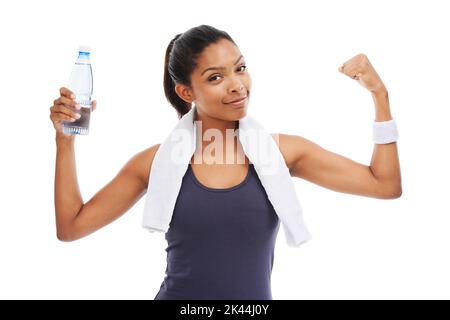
<point>84,49</point>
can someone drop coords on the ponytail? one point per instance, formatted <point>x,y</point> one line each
<point>182,107</point>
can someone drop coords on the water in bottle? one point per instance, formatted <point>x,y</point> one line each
<point>81,84</point>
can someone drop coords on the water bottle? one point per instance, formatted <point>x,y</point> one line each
<point>81,84</point>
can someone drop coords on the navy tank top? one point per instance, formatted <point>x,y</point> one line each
<point>220,242</point>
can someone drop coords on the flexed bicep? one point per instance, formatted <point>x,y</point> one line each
<point>309,161</point>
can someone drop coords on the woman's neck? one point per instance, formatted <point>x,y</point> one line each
<point>217,141</point>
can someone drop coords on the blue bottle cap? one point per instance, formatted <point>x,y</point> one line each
<point>86,49</point>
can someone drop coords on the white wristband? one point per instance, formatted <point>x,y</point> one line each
<point>385,131</point>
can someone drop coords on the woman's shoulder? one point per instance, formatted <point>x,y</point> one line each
<point>141,162</point>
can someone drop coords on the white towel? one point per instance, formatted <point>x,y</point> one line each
<point>173,157</point>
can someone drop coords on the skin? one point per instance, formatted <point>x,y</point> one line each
<point>211,91</point>
<point>305,159</point>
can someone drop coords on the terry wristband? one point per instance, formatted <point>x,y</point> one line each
<point>385,131</point>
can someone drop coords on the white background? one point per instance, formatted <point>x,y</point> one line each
<point>361,248</point>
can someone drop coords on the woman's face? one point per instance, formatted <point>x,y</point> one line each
<point>220,78</point>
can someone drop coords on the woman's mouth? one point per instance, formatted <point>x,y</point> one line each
<point>239,103</point>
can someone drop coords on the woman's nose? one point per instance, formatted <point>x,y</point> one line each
<point>237,87</point>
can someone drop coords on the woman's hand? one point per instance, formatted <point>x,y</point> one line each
<point>65,109</point>
<point>359,68</point>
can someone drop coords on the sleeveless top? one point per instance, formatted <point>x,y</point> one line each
<point>220,242</point>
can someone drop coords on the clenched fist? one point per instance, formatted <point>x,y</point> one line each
<point>360,69</point>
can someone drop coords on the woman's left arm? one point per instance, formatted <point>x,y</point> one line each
<point>381,179</point>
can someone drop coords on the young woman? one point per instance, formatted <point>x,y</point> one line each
<point>204,66</point>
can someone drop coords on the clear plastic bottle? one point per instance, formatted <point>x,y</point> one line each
<point>81,84</point>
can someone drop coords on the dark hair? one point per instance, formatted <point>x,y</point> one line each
<point>181,59</point>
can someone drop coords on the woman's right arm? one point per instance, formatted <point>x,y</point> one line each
<point>75,219</point>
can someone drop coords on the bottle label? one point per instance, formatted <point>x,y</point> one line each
<point>84,103</point>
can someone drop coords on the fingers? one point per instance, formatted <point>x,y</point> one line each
<point>355,66</point>
<point>67,102</point>
<point>66,93</point>
<point>347,67</point>
<point>68,99</point>
<point>58,117</point>
<point>350,69</point>
<point>65,105</point>
<point>64,111</point>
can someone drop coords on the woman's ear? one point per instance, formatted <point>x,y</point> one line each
<point>185,93</point>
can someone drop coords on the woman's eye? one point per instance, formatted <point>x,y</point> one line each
<point>243,66</point>
<point>212,78</point>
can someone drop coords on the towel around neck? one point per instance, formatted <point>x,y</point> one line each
<point>174,155</point>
